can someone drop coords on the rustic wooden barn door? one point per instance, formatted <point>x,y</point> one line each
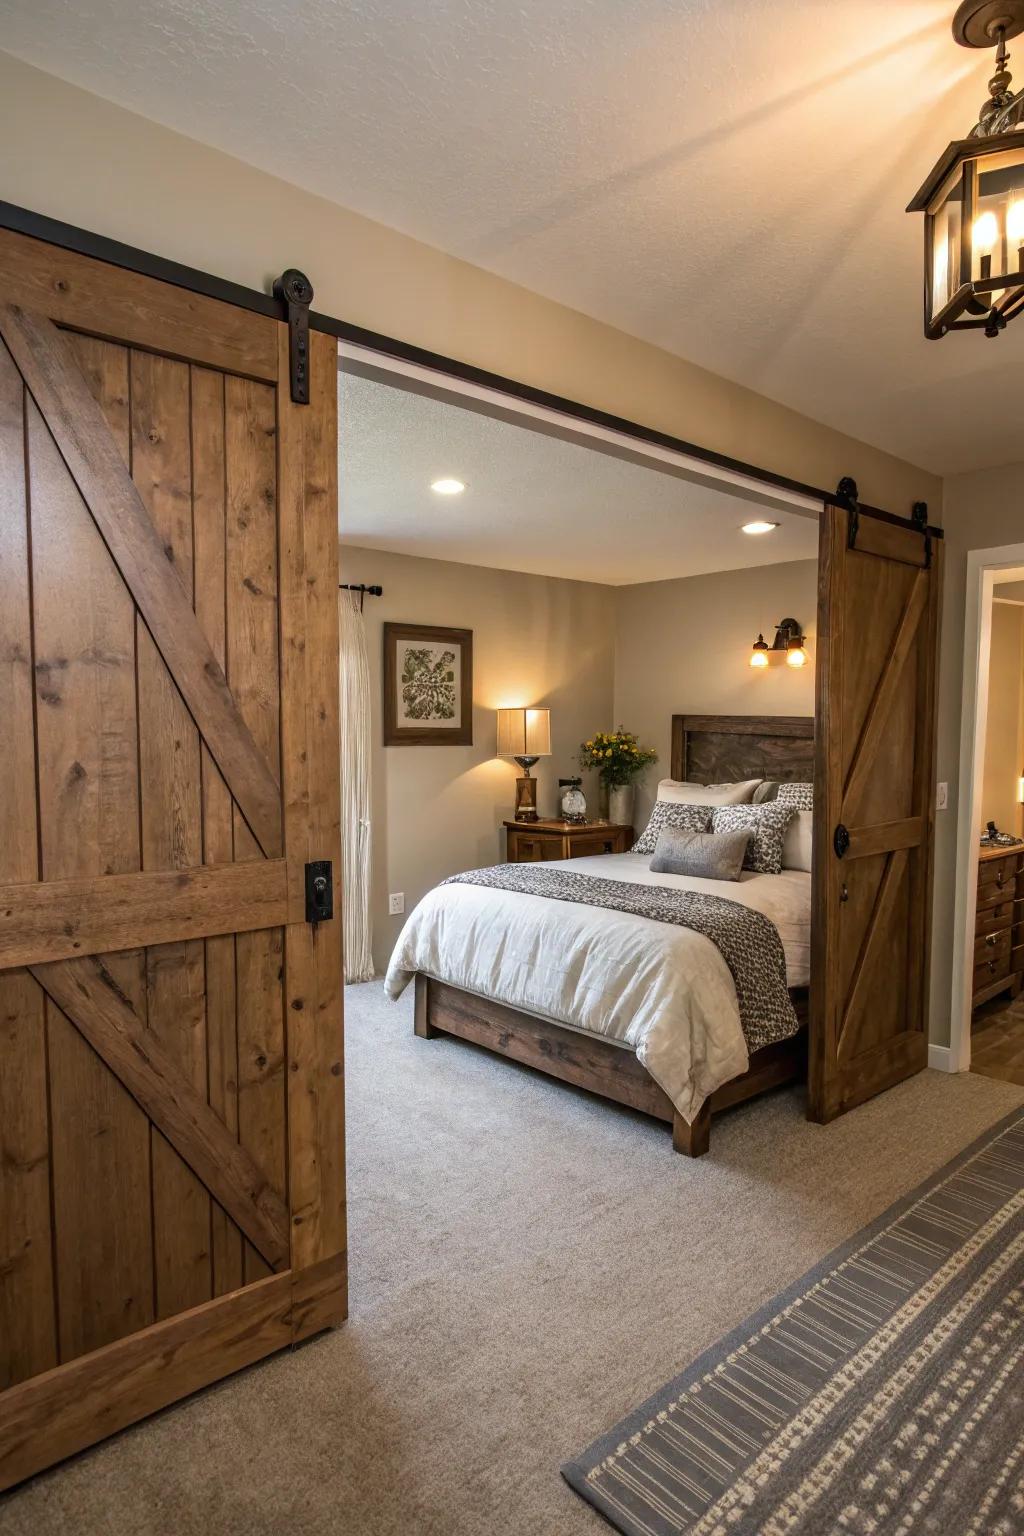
<point>877,642</point>
<point>171,1139</point>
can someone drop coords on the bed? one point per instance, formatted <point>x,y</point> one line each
<point>603,997</point>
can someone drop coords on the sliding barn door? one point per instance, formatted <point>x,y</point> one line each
<point>171,1163</point>
<point>877,643</point>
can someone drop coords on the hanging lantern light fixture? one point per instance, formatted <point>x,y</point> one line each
<point>973,199</point>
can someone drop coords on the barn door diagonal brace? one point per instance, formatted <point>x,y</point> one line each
<point>295,291</point>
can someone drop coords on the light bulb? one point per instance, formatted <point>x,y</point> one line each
<point>796,657</point>
<point>759,658</point>
<point>760,525</point>
<point>985,232</point>
<point>447,487</point>
<point>1015,222</point>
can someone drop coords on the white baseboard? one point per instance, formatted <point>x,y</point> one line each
<point>940,1058</point>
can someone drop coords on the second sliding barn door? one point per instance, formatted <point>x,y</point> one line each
<point>171,1185</point>
<point>874,797</point>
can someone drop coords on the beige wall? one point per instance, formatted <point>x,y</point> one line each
<point>1003,724</point>
<point>683,647</point>
<point>78,158</point>
<point>536,640</point>
<point>981,511</point>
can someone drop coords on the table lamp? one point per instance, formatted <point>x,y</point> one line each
<point>525,734</point>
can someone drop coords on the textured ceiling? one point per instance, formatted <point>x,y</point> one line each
<point>726,178</point>
<point>532,502</point>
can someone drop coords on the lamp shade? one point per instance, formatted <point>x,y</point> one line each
<point>524,732</point>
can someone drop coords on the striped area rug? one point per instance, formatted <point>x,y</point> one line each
<point>881,1394</point>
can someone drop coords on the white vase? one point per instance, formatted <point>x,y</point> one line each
<point>620,804</point>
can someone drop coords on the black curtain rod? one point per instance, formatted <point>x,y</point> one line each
<point>362,589</point>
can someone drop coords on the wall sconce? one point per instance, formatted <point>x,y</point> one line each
<point>525,734</point>
<point>788,646</point>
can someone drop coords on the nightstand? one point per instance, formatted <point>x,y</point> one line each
<point>538,842</point>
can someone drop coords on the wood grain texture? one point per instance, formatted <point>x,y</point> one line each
<point>46,362</point>
<point>171,821</point>
<point>89,827</point>
<point>84,293</point>
<point>209,530</point>
<point>726,749</point>
<point>28,1337</point>
<point>600,1066</point>
<point>59,919</point>
<point>107,1017</point>
<point>311,782</point>
<point>877,665</point>
<point>253,666</point>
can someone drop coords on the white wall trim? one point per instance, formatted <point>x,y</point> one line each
<point>983,569</point>
<point>354,358</point>
<point>940,1058</point>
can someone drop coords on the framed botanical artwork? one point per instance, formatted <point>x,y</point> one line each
<point>428,686</point>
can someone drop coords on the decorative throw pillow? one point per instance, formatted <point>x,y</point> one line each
<point>707,855</point>
<point>796,850</point>
<point>799,795</point>
<point>767,826</point>
<point>768,789</point>
<point>688,792</point>
<point>690,818</point>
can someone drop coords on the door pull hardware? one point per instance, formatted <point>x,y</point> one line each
<point>319,891</point>
<point>295,291</point>
<point>841,841</point>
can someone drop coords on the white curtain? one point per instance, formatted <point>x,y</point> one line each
<point>355,790</point>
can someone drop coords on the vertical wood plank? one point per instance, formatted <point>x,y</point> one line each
<point>169,771</point>
<point>254,677</point>
<point>28,1331</point>
<point>210,536</point>
<point>87,758</point>
<point>310,769</point>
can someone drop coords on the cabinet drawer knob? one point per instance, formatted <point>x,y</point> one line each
<point>991,940</point>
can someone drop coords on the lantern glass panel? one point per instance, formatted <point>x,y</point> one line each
<point>945,252</point>
<point>998,229</point>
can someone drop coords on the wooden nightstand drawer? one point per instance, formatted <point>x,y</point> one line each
<point>540,841</point>
<point>994,947</point>
<point>995,915</point>
<point>997,877</point>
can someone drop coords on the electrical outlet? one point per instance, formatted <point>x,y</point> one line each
<point>942,797</point>
<point>396,903</point>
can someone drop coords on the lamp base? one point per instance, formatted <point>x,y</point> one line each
<point>526,799</point>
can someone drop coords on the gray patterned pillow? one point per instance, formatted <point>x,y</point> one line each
<point>691,818</point>
<point>799,796</point>
<point>766,825</point>
<point>708,855</point>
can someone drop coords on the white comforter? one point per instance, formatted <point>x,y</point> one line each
<point>664,992</point>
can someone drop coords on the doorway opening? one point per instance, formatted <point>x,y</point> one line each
<point>987,1030</point>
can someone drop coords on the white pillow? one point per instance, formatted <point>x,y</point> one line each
<point>796,850</point>
<point>686,792</point>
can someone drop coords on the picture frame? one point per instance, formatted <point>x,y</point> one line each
<point>428,686</point>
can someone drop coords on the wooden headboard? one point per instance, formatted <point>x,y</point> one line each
<point>722,749</point>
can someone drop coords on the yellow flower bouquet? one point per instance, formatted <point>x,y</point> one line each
<point>617,756</point>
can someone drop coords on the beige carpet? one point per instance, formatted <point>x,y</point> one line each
<point>527,1265</point>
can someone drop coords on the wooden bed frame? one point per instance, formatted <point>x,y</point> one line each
<point>709,749</point>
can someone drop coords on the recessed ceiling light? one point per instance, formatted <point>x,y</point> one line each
<point>759,527</point>
<point>448,487</point>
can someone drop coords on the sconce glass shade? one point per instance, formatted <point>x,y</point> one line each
<point>524,733</point>
<point>973,206</point>
<point>796,656</point>
<point>759,652</point>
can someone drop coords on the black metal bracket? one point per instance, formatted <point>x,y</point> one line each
<point>847,493</point>
<point>841,841</point>
<point>319,891</point>
<point>295,292</point>
<point>919,518</point>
